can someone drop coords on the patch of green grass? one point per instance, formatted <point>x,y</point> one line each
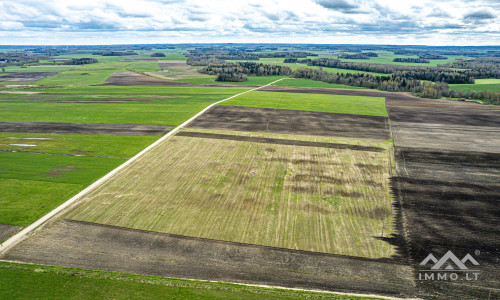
<point>374,106</point>
<point>86,144</point>
<point>24,201</point>
<point>313,83</point>
<point>22,281</point>
<point>38,69</point>
<point>252,80</point>
<point>168,111</point>
<point>55,168</point>
<point>134,90</point>
<point>490,84</point>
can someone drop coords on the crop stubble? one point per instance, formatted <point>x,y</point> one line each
<point>296,197</point>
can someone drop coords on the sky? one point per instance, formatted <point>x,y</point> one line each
<point>98,22</point>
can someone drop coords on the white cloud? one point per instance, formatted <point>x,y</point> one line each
<point>309,21</point>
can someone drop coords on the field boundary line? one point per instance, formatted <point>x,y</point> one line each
<point>13,240</point>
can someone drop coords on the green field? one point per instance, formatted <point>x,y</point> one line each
<point>86,144</point>
<point>246,192</point>
<point>491,84</point>
<point>169,110</point>
<point>313,83</point>
<point>23,281</point>
<point>373,106</point>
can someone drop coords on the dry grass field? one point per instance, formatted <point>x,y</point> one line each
<point>331,200</point>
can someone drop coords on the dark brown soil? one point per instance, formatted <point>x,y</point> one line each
<point>26,76</point>
<point>278,141</point>
<point>442,216</point>
<point>134,79</point>
<point>446,137</point>
<point>293,122</point>
<point>85,128</point>
<point>93,246</point>
<point>7,231</point>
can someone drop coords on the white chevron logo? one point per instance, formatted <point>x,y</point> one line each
<point>447,259</point>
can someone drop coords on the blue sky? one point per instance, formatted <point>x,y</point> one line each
<point>436,22</point>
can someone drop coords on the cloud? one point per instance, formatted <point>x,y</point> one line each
<point>483,14</point>
<point>321,21</point>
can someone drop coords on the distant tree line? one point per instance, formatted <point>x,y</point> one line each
<point>394,83</point>
<point>432,56</point>
<point>158,54</point>
<point>226,70</point>
<point>411,60</point>
<point>361,55</point>
<point>81,61</point>
<point>231,77</point>
<point>483,67</point>
<point>409,72</point>
<point>115,53</point>
<point>204,57</point>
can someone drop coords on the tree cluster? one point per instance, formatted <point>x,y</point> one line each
<point>231,77</point>
<point>432,56</point>
<point>395,83</point>
<point>484,67</point>
<point>409,72</point>
<point>248,68</point>
<point>158,54</point>
<point>411,60</point>
<point>353,56</point>
<point>81,61</point>
<point>115,53</point>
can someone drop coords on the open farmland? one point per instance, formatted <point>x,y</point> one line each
<point>360,105</point>
<point>25,76</point>
<point>296,197</point>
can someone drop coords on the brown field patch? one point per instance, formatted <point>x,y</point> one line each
<point>85,128</point>
<point>94,246</point>
<point>293,121</point>
<point>26,76</point>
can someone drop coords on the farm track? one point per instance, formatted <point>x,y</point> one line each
<point>85,128</point>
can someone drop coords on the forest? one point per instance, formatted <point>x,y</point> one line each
<point>394,83</point>
<point>248,68</point>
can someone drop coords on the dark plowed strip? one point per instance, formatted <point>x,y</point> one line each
<point>278,141</point>
<point>255,119</point>
<point>66,154</point>
<point>458,158</point>
<point>7,231</point>
<point>114,248</point>
<point>85,128</point>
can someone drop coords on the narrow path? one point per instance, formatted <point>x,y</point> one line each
<point>24,233</point>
